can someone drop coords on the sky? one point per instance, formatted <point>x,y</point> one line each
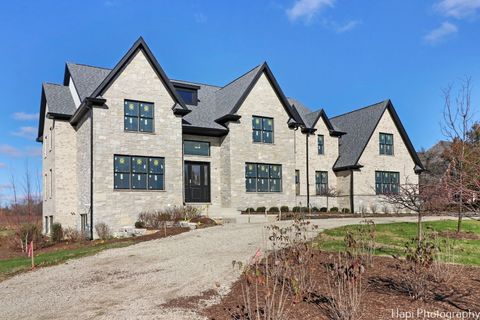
<point>333,54</point>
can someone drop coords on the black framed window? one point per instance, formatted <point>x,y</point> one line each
<point>196,148</point>
<point>387,182</point>
<point>262,129</point>
<point>132,172</point>
<point>321,144</point>
<point>138,116</point>
<point>386,144</point>
<point>261,177</point>
<point>189,96</point>
<point>321,182</point>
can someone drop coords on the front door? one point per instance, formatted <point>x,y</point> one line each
<point>197,181</point>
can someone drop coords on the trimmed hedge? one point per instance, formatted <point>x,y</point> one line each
<point>284,208</point>
<point>273,209</point>
<point>345,210</point>
<point>57,232</point>
<point>261,209</point>
<point>334,209</point>
<point>323,209</point>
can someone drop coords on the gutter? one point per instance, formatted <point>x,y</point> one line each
<point>352,205</point>
<point>307,171</point>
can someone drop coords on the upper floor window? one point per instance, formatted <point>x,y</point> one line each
<point>321,182</point>
<point>260,177</point>
<point>196,148</point>
<point>189,96</point>
<point>262,129</point>
<point>321,144</point>
<point>138,172</point>
<point>386,144</point>
<point>138,116</point>
<point>386,182</point>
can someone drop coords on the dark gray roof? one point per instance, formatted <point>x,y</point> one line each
<point>59,99</point>
<point>86,78</point>
<point>302,110</point>
<point>359,126</point>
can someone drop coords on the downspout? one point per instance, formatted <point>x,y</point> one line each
<point>352,207</point>
<point>307,171</point>
<point>91,172</point>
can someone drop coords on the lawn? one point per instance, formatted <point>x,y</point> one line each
<point>9,267</point>
<point>391,238</point>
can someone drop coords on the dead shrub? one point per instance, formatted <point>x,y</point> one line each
<point>344,286</point>
<point>361,242</point>
<point>103,231</point>
<point>73,235</point>
<point>443,268</point>
<point>24,234</point>
<point>373,208</point>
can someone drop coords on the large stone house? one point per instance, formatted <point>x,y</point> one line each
<point>120,141</point>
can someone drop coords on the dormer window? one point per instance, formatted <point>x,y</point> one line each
<point>188,93</point>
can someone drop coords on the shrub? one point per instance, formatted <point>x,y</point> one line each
<point>315,209</point>
<point>345,210</point>
<point>140,224</point>
<point>323,209</point>
<point>304,209</point>
<point>334,209</point>
<point>103,231</point>
<point>386,209</point>
<point>57,232</point>
<point>373,208</point>
<point>261,209</point>
<point>284,208</point>
<point>250,210</point>
<point>25,233</point>
<point>73,235</point>
<point>155,220</point>
<point>273,209</point>
<point>296,209</point>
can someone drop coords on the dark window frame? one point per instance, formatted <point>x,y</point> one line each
<point>148,173</point>
<point>138,117</point>
<point>270,178</point>
<point>321,186</point>
<point>321,146</point>
<point>194,93</point>
<point>199,155</point>
<point>383,146</point>
<point>263,130</point>
<point>388,183</point>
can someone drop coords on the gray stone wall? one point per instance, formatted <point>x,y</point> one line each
<point>262,101</point>
<point>48,163</point>
<point>83,169</point>
<point>117,208</point>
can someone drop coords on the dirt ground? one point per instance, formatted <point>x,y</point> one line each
<point>384,297</point>
<point>138,282</point>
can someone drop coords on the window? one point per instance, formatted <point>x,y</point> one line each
<point>386,182</point>
<point>47,229</point>
<point>51,184</point>
<point>138,116</point>
<point>262,129</point>
<point>132,172</point>
<point>321,144</point>
<point>261,177</point>
<point>189,96</point>
<point>386,144</point>
<point>297,182</point>
<point>83,223</point>
<point>50,224</point>
<point>196,148</point>
<point>321,182</point>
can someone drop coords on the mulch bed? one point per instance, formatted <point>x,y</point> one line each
<point>6,251</point>
<point>383,296</point>
<point>330,215</point>
<point>459,235</point>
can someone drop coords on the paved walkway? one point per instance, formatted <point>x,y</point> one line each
<point>133,282</point>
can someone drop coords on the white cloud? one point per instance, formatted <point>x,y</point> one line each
<point>23,116</point>
<point>441,33</point>
<point>307,9</point>
<point>458,8</point>
<point>26,132</point>
<point>12,151</point>
<point>350,25</point>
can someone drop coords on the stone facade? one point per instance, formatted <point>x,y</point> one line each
<point>67,156</point>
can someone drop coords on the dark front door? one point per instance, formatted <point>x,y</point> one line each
<point>197,182</point>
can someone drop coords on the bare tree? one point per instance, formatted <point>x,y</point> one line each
<point>419,200</point>
<point>457,123</point>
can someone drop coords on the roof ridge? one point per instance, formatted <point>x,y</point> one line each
<point>194,82</point>
<point>89,65</point>
<point>243,75</point>
<point>54,84</point>
<point>360,109</point>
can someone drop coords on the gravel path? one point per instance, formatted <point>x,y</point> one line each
<point>134,282</point>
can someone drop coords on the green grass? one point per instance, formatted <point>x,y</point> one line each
<point>9,267</point>
<point>391,238</point>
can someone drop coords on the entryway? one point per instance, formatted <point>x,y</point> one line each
<point>197,181</point>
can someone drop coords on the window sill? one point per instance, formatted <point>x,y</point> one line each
<point>197,155</point>
<point>140,132</point>
<point>137,190</point>
<point>264,143</point>
<point>265,192</point>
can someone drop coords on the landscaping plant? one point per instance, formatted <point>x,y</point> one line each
<point>103,231</point>
<point>57,232</point>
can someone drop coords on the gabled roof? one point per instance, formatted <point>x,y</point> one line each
<point>85,78</point>
<point>360,125</point>
<point>310,118</point>
<point>231,96</point>
<point>60,104</point>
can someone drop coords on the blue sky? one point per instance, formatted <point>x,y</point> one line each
<point>334,54</point>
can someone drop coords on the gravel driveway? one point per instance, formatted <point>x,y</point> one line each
<point>134,282</point>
